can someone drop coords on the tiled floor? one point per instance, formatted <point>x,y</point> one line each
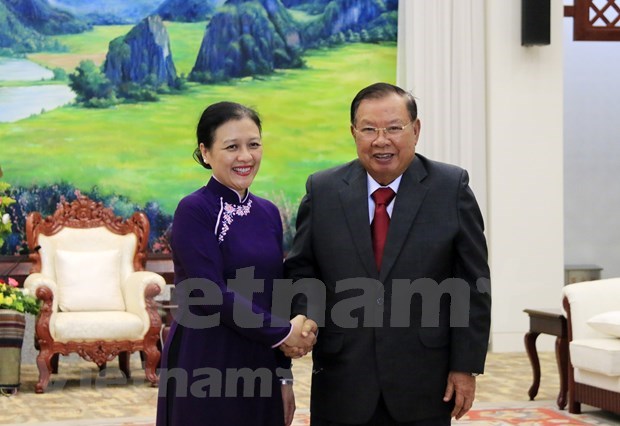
<point>78,392</point>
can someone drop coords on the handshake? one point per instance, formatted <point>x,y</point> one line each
<point>302,337</point>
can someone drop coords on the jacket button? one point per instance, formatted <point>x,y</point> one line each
<point>380,301</point>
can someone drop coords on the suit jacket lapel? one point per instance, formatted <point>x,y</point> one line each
<point>411,193</point>
<point>354,201</point>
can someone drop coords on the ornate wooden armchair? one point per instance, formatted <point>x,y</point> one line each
<point>88,269</point>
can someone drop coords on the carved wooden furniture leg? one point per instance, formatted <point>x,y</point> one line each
<point>45,367</point>
<point>152,361</point>
<point>530,346</point>
<point>552,322</point>
<point>561,355</point>
<point>123,363</point>
<point>45,341</point>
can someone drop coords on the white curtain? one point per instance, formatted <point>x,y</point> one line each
<point>441,60</point>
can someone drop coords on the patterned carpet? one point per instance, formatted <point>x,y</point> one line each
<point>534,416</point>
<point>79,397</point>
<point>529,414</point>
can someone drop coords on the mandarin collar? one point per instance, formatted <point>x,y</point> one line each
<point>228,195</point>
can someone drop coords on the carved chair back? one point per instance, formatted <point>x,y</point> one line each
<point>86,225</point>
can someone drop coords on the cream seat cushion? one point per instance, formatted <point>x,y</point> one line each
<point>90,326</point>
<point>596,355</point>
<point>89,280</point>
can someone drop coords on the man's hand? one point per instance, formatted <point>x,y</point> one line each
<point>302,338</point>
<point>463,387</point>
<point>288,400</point>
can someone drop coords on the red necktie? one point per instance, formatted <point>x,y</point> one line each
<point>381,221</point>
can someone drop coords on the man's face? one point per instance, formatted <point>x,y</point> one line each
<point>385,155</point>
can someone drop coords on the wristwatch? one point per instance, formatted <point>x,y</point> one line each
<point>286,382</point>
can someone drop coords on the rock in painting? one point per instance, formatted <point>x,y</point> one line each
<point>142,56</point>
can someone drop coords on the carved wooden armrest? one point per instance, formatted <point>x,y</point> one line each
<point>44,288</point>
<point>139,289</point>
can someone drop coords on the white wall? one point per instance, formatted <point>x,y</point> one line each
<point>525,172</point>
<point>592,153</point>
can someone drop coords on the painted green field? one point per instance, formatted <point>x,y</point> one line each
<point>144,151</point>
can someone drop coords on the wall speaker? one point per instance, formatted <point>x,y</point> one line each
<point>535,22</point>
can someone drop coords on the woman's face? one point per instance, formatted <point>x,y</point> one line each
<point>235,154</point>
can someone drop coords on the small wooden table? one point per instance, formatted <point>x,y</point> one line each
<point>553,322</point>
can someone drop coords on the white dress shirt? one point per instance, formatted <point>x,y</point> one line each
<point>373,185</point>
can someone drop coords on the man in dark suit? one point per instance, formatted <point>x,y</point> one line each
<point>406,278</point>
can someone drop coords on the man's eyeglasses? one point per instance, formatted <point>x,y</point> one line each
<point>369,134</point>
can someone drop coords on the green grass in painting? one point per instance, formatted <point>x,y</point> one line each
<point>95,41</point>
<point>144,150</point>
<point>183,37</point>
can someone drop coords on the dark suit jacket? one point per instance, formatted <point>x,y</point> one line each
<point>435,237</point>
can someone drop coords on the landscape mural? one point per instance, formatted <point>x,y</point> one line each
<point>101,97</point>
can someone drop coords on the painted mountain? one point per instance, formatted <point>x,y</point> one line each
<point>247,38</point>
<point>45,19</point>
<point>108,12</point>
<point>188,10</point>
<point>253,37</point>
<point>360,20</point>
<point>15,37</point>
<point>328,22</point>
<point>311,6</point>
<point>142,56</point>
<point>316,7</point>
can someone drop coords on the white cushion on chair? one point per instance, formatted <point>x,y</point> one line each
<point>598,380</point>
<point>84,240</point>
<point>607,322</point>
<point>90,326</point>
<point>89,280</point>
<point>597,355</point>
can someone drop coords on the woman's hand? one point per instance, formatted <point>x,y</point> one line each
<point>301,339</point>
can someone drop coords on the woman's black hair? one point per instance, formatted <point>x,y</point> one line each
<point>213,117</point>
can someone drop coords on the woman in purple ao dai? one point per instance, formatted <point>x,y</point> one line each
<point>228,373</point>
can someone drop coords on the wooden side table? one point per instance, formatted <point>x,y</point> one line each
<point>553,322</point>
